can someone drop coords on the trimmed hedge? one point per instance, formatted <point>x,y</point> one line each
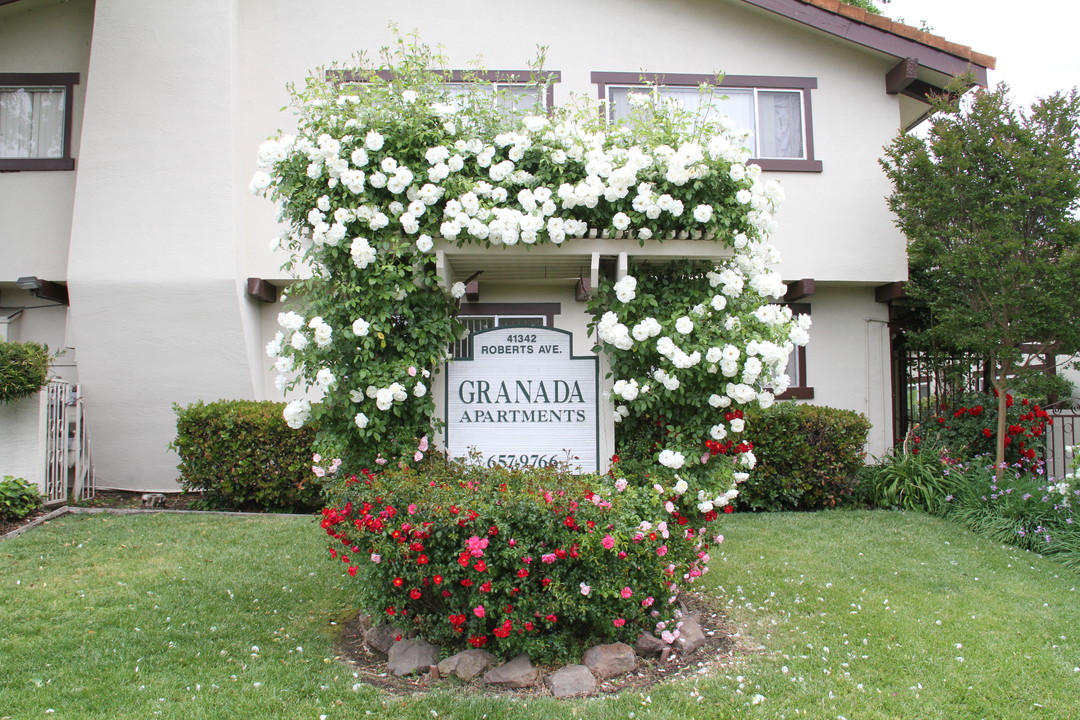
<point>243,456</point>
<point>24,369</point>
<point>808,457</point>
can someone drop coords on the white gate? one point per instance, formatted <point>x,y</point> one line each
<point>83,487</point>
<point>66,443</point>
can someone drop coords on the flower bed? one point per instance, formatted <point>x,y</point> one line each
<point>516,560</point>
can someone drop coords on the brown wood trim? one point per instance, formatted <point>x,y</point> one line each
<point>792,165</point>
<point>770,82</point>
<point>798,290</point>
<point>38,79</point>
<point>874,38</point>
<point>261,290</point>
<point>548,310</point>
<point>797,393</point>
<point>901,76</point>
<point>889,291</point>
<point>19,164</point>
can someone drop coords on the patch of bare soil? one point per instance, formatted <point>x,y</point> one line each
<point>723,648</point>
<point>124,500</point>
<point>7,526</point>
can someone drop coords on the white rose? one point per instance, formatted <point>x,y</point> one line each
<point>360,327</point>
<point>684,325</point>
<point>361,420</point>
<point>374,141</point>
<point>458,290</point>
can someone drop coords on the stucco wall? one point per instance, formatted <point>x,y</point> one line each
<point>22,452</point>
<point>835,225</point>
<point>37,36</point>
<point>847,360</point>
<point>178,97</point>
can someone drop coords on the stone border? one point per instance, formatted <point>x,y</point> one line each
<point>78,510</point>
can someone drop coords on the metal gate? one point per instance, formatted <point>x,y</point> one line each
<point>1064,431</point>
<point>68,463</point>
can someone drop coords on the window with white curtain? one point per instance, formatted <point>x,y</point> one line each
<point>512,99</point>
<point>35,121</point>
<point>775,111</point>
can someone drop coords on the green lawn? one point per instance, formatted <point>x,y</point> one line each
<point>857,615</point>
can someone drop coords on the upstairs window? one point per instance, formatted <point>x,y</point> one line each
<point>515,92</point>
<point>776,110</point>
<point>35,121</point>
<point>511,91</point>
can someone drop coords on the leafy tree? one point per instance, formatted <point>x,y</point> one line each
<point>868,5</point>
<point>988,201</point>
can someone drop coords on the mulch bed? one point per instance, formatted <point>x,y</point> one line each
<point>723,648</point>
<point>7,526</point>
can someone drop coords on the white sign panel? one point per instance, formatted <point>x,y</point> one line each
<point>524,399</point>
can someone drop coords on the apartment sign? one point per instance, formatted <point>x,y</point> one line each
<point>524,399</point>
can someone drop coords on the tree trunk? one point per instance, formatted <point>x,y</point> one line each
<point>1001,384</point>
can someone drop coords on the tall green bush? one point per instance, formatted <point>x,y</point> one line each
<point>808,457</point>
<point>242,455</point>
<point>24,369</point>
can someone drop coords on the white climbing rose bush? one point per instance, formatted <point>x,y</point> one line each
<point>386,164</point>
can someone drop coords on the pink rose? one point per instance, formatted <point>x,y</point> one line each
<point>608,542</point>
<point>626,592</point>
<point>479,611</point>
<point>618,622</point>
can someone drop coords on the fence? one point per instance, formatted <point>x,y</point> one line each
<point>1064,431</point>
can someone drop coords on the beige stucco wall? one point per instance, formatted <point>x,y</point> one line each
<point>42,36</point>
<point>178,97</point>
<point>847,360</point>
<point>835,225</point>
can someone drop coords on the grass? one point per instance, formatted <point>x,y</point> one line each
<point>859,615</point>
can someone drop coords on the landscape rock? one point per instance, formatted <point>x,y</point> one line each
<point>518,673</point>
<point>607,661</point>
<point>409,656</point>
<point>570,681</point>
<point>382,637</point>
<point>468,664</point>
<point>691,636</point>
<point>649,646</point>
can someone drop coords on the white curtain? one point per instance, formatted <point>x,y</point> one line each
<point>31,122</point>
<point>781,133</point>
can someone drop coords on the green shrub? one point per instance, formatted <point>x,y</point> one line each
<point>967,427</point>
<point>808,457</point>
<point>532,560</point>
<point>18,498</point>
<point>909,480</point>
<point>242,455</point>
<point>24,369</point>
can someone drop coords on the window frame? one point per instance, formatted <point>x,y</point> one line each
<point>799,389</point>
<point>803,85</point>
<point>494,77</point>
<point>67,81</point>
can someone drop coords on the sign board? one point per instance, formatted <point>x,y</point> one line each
<point>524,399</point>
